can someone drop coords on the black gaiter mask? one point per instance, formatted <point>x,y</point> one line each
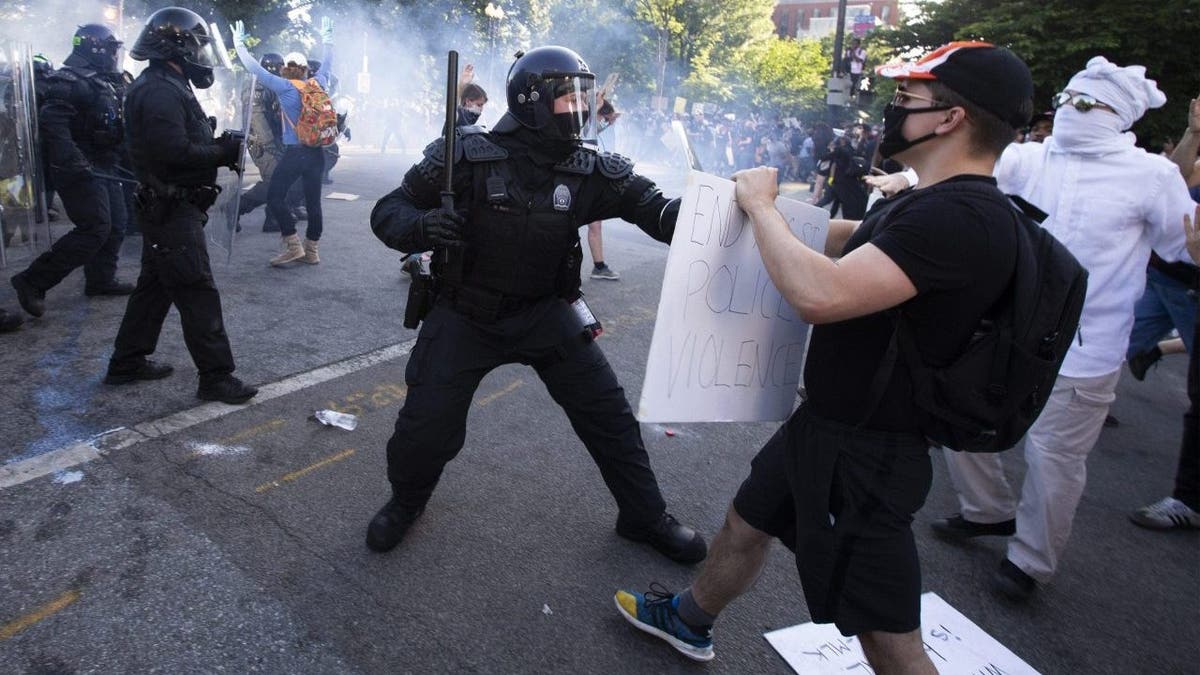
<point>893,140</point>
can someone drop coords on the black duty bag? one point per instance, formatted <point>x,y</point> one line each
<point>987,398</point>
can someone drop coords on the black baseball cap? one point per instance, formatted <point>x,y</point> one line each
<point>991,77</point>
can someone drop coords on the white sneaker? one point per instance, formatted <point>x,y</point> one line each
<point>1167,514</point>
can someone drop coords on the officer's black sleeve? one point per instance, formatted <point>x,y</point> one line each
<point>395,216</point>
<point>638,200</point>
<point>164,120</point>
<point>60,104</point>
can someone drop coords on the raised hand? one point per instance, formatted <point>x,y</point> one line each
<point>238,29</point>
<point>327,30</point>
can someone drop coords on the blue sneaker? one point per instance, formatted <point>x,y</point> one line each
<point>657,613</point>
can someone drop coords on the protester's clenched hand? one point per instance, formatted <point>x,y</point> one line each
<point>326,30</point>
<point>1191,233</point>
<point>889,184</point>
<point>757,187</point>
<point>238,29</point>
<point>440,227</point>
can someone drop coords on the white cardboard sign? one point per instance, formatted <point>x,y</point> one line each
<point>954,643</point>
<point>727,347</point>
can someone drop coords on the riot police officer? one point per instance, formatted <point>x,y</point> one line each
<point>507,266</point>
<point>80,122</point>
<point>266,145</point>
<point>175,158</point>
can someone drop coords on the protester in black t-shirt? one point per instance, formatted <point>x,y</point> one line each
<point>840,481</point>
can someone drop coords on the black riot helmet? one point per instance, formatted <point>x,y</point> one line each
<point>178,35</point>
<point>98,46</point>
<point>541,76</point>
<point>272,62</point>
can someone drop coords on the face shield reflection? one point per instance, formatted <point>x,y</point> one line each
<point>574,101</point>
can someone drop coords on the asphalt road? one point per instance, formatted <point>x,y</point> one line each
<point>220,539</point>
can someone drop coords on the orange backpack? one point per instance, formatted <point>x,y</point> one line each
<point>317,125</point>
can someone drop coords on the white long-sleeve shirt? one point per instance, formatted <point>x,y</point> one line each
<point>1109,210</point>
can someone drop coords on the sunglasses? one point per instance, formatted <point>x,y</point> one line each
<point>902,98</point>
<point>1082,102</point>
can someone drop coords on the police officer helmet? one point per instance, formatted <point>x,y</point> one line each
<point>178,35</point>
<point>272,62</point>
<point>540,76</point>
<point>313,66</point>
<point>98,46</point>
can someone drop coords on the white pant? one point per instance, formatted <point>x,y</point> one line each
<point>1056,450</point>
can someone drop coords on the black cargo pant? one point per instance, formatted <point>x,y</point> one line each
<point>97,209</point>
<point>453,353</point>
<point>175,271</point>
<point>1187,476</point>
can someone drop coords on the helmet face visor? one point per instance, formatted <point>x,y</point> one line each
<point>202,53</point>
<point>573,104</point>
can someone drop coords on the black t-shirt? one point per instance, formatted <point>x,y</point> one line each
<point>958,248</point>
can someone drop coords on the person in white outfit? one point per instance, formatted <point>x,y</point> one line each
<point>1110,203</point>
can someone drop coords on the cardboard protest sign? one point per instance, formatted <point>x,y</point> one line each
<point>727,347</point>
<point>954,643</point>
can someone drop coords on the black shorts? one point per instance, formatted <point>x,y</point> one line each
<point>842,499</point>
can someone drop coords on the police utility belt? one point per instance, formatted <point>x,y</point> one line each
<point>483,305</point>
<point>200,196</point>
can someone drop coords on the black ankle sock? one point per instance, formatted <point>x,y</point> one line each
<point>692,614</point>
<point>599,265</point>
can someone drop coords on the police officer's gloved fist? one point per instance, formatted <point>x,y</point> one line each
<point>231,149</point>
<point>440,227</point>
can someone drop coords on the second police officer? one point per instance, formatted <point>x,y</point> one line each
<point>176,158</point>
<point>507,264</point>
<point>80,122</point>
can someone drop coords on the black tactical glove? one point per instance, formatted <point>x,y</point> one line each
<point>231,149</point>
<point>440,227</point>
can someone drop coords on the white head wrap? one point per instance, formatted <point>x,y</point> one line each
<point>1127,89</point>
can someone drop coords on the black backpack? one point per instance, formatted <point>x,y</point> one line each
<point>988,397</point>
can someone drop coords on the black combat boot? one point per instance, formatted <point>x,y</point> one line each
<point>31,299</point>
<point>10,321</point>
<point>389,526</point>
<point>227,390</point>
<point>148,370</point>
<point>669,537</point>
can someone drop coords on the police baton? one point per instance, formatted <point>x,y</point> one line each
<point>450,135</point>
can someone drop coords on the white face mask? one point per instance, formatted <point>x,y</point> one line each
<point>476,109</point>
<point>1093,130</point>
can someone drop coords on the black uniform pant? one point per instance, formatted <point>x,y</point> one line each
<point>97,208</point>
<point>175,271</point>
<point>452,355</point>
<point>1187,477</point>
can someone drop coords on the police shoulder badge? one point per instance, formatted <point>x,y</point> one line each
<point>562,198</point>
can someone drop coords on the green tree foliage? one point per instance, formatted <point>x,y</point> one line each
<point>1057,37</point>
<point>786,76</point>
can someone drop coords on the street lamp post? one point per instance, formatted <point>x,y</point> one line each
<point>495,14</point>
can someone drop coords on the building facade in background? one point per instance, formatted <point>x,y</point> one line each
<point>817,18</point>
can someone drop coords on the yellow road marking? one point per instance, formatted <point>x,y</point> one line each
<point>13,627</point>
<point>253,431</point>
<point>305,471</point>
<point>513,386</point>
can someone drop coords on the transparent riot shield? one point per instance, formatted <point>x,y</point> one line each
<point>229,101</point>
<point>25,231</point>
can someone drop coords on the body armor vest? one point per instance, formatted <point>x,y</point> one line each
<point>97,126</point>
<point>517,240</point>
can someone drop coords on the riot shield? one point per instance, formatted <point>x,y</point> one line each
<point>229,101</point>
<point>25,231</point>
